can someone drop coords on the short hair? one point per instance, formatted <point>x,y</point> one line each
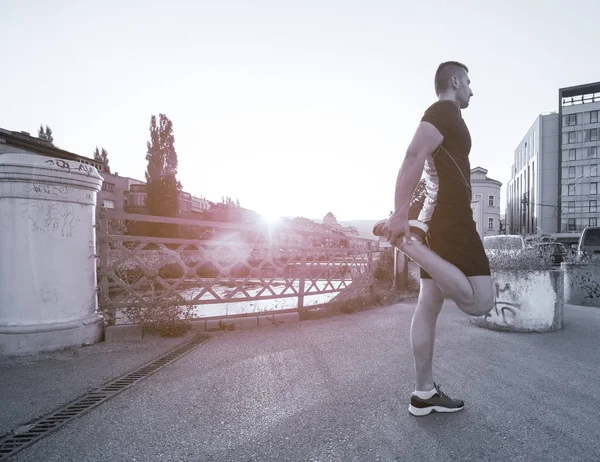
<point>444,73</point>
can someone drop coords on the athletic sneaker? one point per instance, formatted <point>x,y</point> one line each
<point>440,402</point>
<point>418,229</point>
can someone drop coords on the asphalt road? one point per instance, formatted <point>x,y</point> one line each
<point>337,389</point>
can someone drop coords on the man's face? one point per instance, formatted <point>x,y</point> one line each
<point>463,92</point>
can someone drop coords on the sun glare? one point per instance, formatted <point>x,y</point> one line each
<point>270,219</point>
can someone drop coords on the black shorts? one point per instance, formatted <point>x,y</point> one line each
<point>456,240</point>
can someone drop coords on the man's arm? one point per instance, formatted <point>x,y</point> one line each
<point>425,141</point>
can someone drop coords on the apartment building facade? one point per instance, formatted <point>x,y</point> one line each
<point>579,134</point>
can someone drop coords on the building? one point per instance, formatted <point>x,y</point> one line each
<point>330,221</point>
<point>553,188</point>
<point>533,189</point>
<point>115,191</point>
<point>578,127</point>
<point>23,142</point>
<point>485,202</point>
<point>136,195</point>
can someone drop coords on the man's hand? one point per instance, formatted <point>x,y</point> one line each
<point>397,226</point>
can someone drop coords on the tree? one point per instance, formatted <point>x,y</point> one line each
<point>45,134</point>
<point>161,174</point>
<point>101,155</point>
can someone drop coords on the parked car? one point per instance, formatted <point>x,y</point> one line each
<point>558,251</point>
<point>589,242</point>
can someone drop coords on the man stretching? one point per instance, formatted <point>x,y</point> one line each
<point>444,241</point>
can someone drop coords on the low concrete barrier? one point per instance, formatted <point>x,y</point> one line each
<point>526,301</point>
<point>582,283</point>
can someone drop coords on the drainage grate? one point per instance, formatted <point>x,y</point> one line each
<point>29,434</point>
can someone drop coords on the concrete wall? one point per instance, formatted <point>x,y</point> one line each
<point>4,149</point>
<point>47,243</point>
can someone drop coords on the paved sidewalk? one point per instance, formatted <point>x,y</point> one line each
<point>332,389</point>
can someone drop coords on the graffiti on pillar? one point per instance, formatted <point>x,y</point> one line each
<point>51,217</point>
<point>592,290</point>
<point>49,189</point>
<point>64,165</point>
<point>505,302</point>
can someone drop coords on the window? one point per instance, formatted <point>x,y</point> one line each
<point>593,221</point>
<point>571,190</point>
<point>591,134</point>
<point>491,200</point>
<point>572,120</point>
<point>593,117</point>
<point>110,187</point>
<point>108,204</point>
<point>571,207</point>
<point>571,224</point>
<point>571,172</point>
<point>593,152</point>
<point>572,137</point>
<point>593,206</point>
<point>572,154</point>
<point>593,188</point>
<point>491,223</point>
<point>593,170</point>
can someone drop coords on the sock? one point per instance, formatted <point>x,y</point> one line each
<point>425,394</point>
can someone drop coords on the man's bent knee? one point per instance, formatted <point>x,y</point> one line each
<point>483,297</point>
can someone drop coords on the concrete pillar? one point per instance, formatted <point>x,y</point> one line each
<point>526,301</point>
<point>47,244</point>
<point>582,283</point>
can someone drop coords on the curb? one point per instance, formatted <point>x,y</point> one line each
<point>134,332</point>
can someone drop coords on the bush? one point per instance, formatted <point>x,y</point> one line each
<point>207,270</point>
<point>168,317</point>
<point>384,267</point>
<point>171,271</point>
<point>520,260</point>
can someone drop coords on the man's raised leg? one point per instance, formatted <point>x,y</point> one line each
<point>473,295</point>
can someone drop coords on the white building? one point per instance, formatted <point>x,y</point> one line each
<point>578,132</point>
<point>532,191</point>
<point>485,202</point>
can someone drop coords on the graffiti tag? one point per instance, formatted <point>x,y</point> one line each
<point>592,290</point>
<point>79,167</point>
<point>51,218</point>
<point>49,189</point>
<point>502,307</point>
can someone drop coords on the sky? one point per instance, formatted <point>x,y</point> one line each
<point>296,108</point>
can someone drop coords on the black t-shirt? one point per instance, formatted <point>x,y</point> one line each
<point>448,171</point>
